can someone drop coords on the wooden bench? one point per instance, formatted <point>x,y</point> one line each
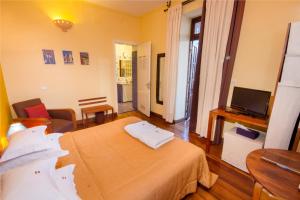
<point>100,111</point>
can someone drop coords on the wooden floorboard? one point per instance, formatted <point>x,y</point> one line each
<point>232,184</point>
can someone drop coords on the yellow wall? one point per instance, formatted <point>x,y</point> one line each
<point>27,28</point>
<point>5,117</point>
<point>95,30</point>
<point>261,43</point>
<point>154,26</point>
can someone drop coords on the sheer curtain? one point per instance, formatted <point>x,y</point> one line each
<point>217,25</point>
<point>171,61</point>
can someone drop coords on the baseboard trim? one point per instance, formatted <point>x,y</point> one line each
<point>179,120</point>
<point>161,117</point>
<point>156,115</point>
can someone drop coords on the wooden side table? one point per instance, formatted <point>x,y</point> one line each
<point>96,109</point>
<point>279,182</point>
<point>261,124</point>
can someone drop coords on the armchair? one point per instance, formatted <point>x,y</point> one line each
<point>62,120</point>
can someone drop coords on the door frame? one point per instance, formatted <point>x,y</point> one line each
<point>189,94</point>
<point>195,97</point>
<point>115,87</point>
<point>228,65</point>
<point>150,62</point>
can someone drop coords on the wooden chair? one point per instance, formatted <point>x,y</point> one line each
<point>100,111</point>
<point>260,193</point>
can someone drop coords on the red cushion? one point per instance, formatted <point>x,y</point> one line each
<point>37,111</point>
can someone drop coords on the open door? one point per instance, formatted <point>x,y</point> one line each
<point>143,77</point>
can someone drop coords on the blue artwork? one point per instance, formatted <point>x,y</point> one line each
<point>68,57</point>
<point>49,57</point>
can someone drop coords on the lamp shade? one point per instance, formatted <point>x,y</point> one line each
<point>63,24</point>
<point>15,127</point>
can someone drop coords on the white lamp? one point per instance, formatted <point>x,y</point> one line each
<point>15,127</point>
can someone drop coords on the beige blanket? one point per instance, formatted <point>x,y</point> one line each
<point>111,165</point>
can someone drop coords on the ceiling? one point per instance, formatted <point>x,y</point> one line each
<point>132,7</point>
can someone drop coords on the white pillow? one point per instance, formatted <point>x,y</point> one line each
<point>25,142</point>
<point>53,139</point>
<point>31,182</point>
<point>28,158</point>
<point>64,180</point>
<point>34,144</point>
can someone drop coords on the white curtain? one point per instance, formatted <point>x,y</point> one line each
<point>171,62</point>
<point>217,25</point>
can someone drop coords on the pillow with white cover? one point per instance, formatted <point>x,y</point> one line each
<point>31,182</point>
<point>40,155</point>
<point>29,145</point>
<point>25,142</point>
<point>39,180</point>
<point>64,180</point>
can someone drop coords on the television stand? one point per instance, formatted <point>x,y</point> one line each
<point>240,112</point>
<point>253,122</point>
<point>235,111</point>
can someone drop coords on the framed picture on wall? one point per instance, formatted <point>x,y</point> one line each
<point>84,58</point>
<point>68,57</point>
<point>48,56</point>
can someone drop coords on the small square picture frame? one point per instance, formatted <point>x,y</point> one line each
<point>84,58</point>
<point>68,57</point>
<point>49,57</point>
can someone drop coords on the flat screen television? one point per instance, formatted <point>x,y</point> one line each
<point>250,101</point>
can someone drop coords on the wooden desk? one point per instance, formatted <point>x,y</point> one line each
<point>279,182</point>
<point>96,109</point>
<point>261,124</point>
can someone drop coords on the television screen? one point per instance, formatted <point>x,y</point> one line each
<point>250,101</point>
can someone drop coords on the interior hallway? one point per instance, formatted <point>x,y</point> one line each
<point>125,107</point>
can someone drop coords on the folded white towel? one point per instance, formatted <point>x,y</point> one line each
<point>149,134</point>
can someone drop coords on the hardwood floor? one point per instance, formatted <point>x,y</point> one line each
<point>232,184</point>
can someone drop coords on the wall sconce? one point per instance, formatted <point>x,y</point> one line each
<point>63,24</point>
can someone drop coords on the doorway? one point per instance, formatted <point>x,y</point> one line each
<point>126,73</point>
<point>193,56</point>
<point>187,62</point>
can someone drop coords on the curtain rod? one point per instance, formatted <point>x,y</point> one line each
<point>183,3</point>
<point>187,2</point>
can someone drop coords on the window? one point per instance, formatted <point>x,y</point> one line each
<point>196,28</point>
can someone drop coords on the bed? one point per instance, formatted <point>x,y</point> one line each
<point>110,164</point>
